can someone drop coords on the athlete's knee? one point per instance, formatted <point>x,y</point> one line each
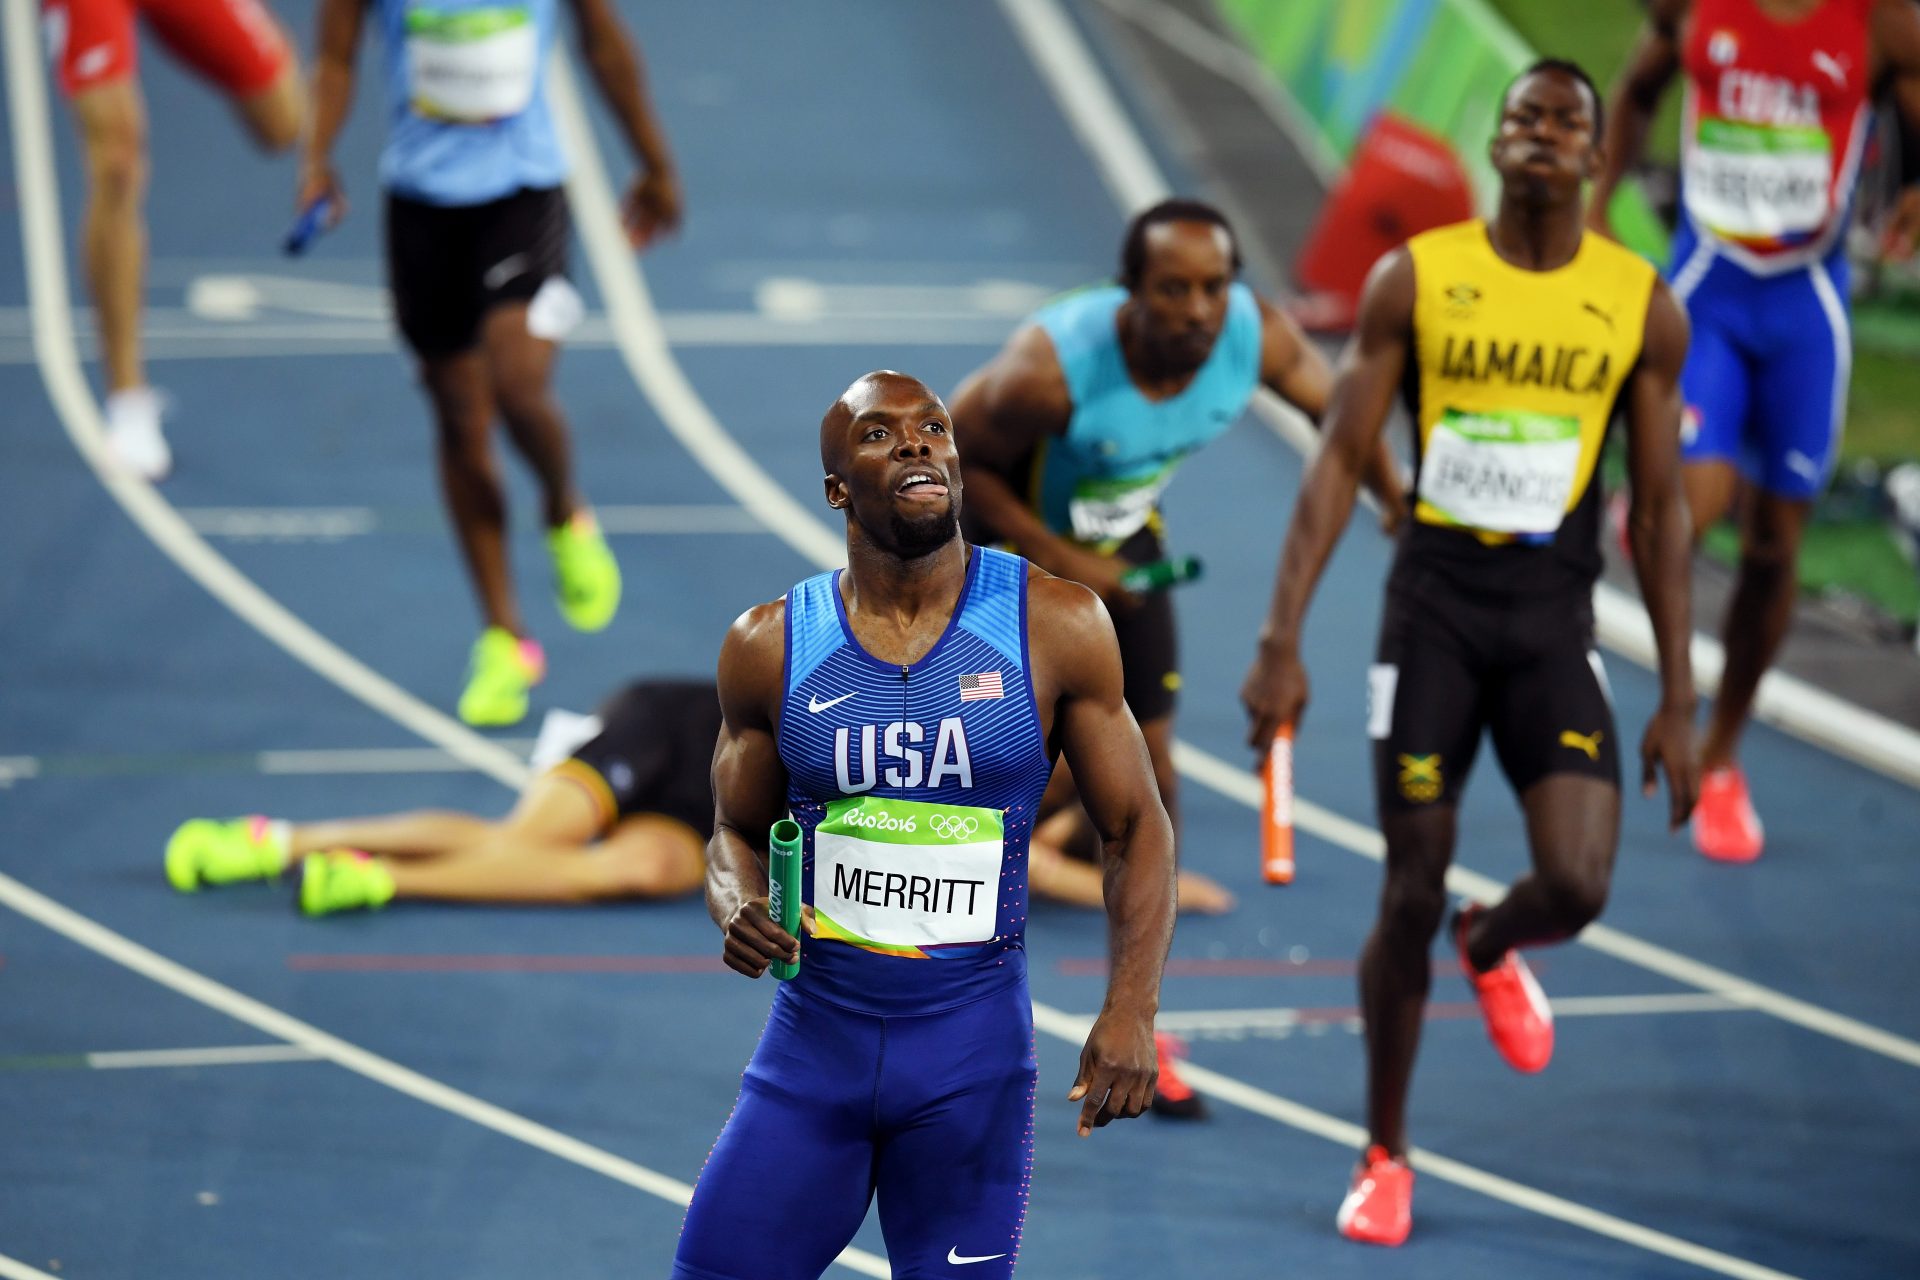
<point>117,158</point>
<point>1410,910</point>
<point>1577,893</point>
<point>462,420</point>
<point>524,398</point>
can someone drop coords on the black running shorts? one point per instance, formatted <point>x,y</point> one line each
<point>1149,643</point>
<point>653,754</point>
<point>448,265</point>
<point>1453,662</point>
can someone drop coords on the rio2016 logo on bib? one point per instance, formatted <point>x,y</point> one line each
<point>471,66</point>
<point>897,876</point>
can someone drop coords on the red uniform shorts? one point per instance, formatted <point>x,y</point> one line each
<point>234,43</point>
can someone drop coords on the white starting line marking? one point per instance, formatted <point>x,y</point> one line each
<point>240,1055</point>
<point>1238,1024</point>
<point>332,524</point>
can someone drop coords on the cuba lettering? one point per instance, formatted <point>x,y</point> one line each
<point>903,742</point>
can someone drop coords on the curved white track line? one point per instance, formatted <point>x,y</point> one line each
<point>59,363</point>
<point>1784,701</point>
<point>637,329</point>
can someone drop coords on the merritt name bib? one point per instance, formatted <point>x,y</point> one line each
<point>902,874</point>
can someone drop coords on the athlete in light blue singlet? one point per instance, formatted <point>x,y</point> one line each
<point>1076,429</point>
<point>906,712</point>
<point>477,239</point>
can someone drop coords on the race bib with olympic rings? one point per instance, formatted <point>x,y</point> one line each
<point>899,875</point>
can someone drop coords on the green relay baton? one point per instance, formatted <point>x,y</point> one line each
<point>783,887</point>
<point>1161,574</point>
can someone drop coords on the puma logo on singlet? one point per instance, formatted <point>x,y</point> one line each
<point>1829,66</point>
<point>1606,317</point>
<point>1587,742</point>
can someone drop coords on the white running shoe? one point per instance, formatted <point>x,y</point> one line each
<point>133,433</point>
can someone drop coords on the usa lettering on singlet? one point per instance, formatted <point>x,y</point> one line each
<point>1101,482</point>
<point>916,788</point>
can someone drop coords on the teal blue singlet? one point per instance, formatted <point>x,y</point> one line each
<point>1101,482</point>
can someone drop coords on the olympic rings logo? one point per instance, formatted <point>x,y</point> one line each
<point>953,826</point>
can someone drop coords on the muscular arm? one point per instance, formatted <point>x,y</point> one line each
<point>1357,412</point>
<point>1074,643</point>
<point>614,61</point>
<point>1292,368</point>
<point>336,46</point>
<point>1662,542</point>
<point>1636,98</point>
<point>749,792</point>
<point>1002,414</point>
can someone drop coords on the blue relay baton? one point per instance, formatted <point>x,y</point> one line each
<point>783,887</point>
<point>307,228</point>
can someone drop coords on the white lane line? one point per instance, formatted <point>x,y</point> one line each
<point>1239,785</point>
<point>333,524</point>
<point>45,253</point>
<point>1201,1022</point>
<point>644,347</point>
<point>1783,700</point>
<point>320,1044</point>
<point>239,1055</point>
<point>15,768</point>
<point>14,1269</point>
<point>38,192</point>
<point>1080,87</point>
<point>1272,1106</point>
<point>1229,61</point>
<point>679,407</point>
<point>169,336</point>
<point>274,524</point>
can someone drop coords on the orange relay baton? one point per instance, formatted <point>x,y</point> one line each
<point>1276,809</point>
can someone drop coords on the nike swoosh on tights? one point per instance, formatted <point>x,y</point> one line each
<point>953,1256</point>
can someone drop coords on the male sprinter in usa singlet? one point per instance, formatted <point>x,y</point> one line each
<point>1515,342</point>
<point>906,712</point>
<point>1777,109</point>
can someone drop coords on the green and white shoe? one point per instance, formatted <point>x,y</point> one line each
<point>343,880</point>
<point>212,851</point>
<point>586,575</point>
<point>499,674</point>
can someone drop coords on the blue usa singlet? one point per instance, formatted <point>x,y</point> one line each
<point>899,1065</point>
<point>916,787</point>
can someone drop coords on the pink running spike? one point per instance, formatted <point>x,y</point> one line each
<point>535,657</point>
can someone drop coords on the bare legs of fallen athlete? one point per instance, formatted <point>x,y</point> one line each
<point>1064,864</point>
<point>544,851</point>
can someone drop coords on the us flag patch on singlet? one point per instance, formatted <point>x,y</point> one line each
<point>975,688</point>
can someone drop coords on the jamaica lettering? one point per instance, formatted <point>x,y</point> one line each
<point>1521,364</point>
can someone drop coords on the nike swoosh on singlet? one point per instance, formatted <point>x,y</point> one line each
<point>953,1256</point>
<point>816,706</point>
